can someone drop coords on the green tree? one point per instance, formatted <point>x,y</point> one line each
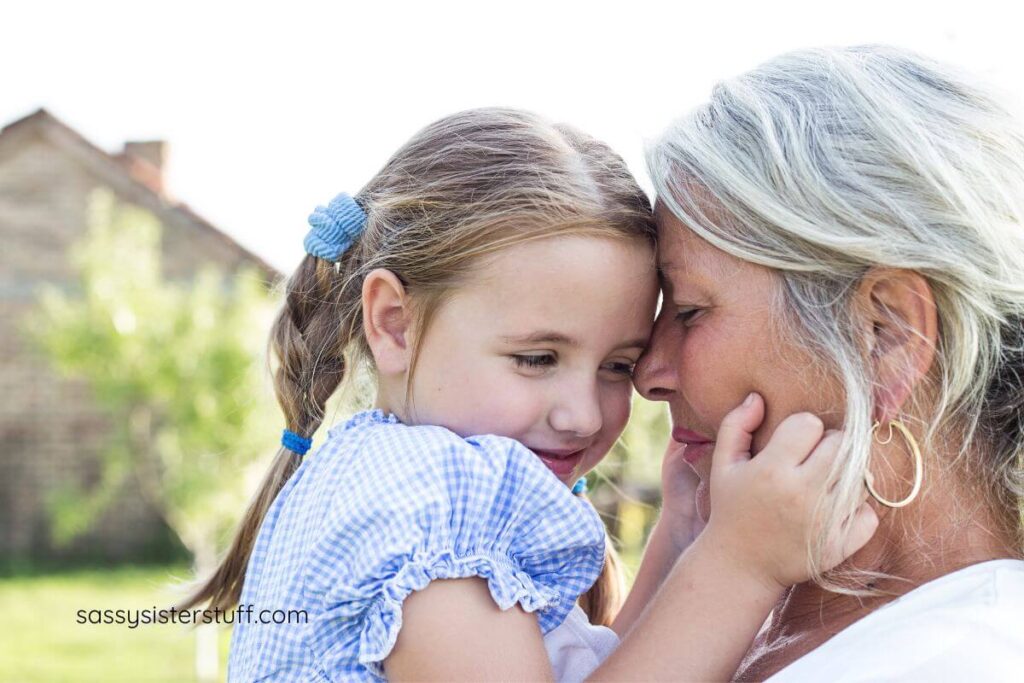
<point>176,365</point>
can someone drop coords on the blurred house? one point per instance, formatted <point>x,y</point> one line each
<point>50,431</point>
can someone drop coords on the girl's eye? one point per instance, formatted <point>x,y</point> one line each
<point>539,360</point>
<point>620,368</point>
<point>688,315</point>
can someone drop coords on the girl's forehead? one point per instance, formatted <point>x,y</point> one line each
<point>577,287</point>
<point>564,261</point>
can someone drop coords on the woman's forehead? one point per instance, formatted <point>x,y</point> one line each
<point>683,253</point>
<point>685,260</point>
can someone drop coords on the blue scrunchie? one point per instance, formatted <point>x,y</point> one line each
<point>334,227</point>
<point>295,443</point>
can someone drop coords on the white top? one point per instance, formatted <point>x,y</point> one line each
<point>964,626</point>
<point>575,647</point>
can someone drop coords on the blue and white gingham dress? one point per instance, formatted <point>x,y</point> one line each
<point>380,510</point>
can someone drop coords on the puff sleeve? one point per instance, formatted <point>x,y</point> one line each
<point>431,505</point>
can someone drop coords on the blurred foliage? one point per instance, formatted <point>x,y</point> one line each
<point>177,367</point>
<point>626,486</point>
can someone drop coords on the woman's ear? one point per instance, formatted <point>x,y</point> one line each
<point>387,320</point>
<point>901,329</point>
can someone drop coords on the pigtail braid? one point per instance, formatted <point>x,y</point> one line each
<point>309,338</point>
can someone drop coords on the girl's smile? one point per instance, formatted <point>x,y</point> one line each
<point>562,463</point>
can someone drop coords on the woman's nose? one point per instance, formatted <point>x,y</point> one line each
<point>654,374</point>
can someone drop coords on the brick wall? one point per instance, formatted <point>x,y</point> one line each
<point>50,428</point>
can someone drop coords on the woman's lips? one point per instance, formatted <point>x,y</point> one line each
<point>695,451</point>
<point>697,445</point>
<point>561,462</point>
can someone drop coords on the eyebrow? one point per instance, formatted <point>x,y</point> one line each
<point>542,337</point>
<point>697,275</point>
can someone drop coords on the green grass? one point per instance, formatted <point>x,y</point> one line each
<point>42,640</point>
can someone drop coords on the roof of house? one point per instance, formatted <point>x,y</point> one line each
<point>134,178</point>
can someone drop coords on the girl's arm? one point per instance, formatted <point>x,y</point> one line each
<point>440,610</point>
<point>702,623</point>
<point>453,631</point>
<point>724,586</point>
<point>677,527</point>
<point>708,610</point>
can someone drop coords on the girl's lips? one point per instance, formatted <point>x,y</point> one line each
<point>562,463</point>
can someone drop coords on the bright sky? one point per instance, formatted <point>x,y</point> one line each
<point>272,111</point>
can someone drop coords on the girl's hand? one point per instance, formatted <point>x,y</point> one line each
<point>679,482</point>
<point>762,509</point>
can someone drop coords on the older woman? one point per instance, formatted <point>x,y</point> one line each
<point>843,232</point>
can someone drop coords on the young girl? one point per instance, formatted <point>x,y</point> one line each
<point>497,275</point>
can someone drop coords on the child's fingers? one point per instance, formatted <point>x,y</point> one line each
<point>735,433</point>
<point>851,535</point>
<point>794,439</point>
<point>819,461</point>
<point>861,528</point>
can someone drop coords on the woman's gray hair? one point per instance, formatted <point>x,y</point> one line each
<point>823,164</point>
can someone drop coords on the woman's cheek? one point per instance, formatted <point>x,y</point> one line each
<point>714,370</point>
<point>700,375</point>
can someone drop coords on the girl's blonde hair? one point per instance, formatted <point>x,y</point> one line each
<point>464,187</point>
<point>823,164</point>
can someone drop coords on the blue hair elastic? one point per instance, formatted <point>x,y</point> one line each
<point>580,486</point>
<point>294,442</point>
<point>334,227</point>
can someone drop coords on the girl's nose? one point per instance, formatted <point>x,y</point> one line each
<point>578,413</point>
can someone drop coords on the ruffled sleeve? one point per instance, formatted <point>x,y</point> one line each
<point>430,505</point>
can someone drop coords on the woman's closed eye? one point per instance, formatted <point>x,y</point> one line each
<point>687,314</point>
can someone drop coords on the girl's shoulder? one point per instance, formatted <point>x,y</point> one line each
<point>381,449</point>
<point>412,480</point>
<point>411,505</point>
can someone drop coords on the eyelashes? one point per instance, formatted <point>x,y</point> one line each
<point>688,315</point>
<point>544,361</point>
<point>625,369</point>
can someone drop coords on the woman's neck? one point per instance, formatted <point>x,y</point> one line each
<point>913,546</point>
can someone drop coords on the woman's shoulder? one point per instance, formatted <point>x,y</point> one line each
<point>963,625</point>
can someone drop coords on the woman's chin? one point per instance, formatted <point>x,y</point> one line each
<point>703,496</point>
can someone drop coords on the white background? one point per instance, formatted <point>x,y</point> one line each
<point>271,109</point>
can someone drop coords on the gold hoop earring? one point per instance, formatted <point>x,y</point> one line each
<point>918,466</point>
